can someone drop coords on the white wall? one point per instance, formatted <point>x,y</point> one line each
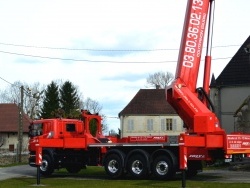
<point>12,139</point>
<point>140,125</point>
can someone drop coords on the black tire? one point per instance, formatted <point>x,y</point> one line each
<point>47,166</point>
<point>191,173</point>
<point>162,167</point>
<point>74,169</point>
<point>137,166</point>
<point>193,168</point>
<point>114,166</point>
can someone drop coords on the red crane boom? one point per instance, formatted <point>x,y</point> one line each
<point>182,94</point>
<point>204,138</point>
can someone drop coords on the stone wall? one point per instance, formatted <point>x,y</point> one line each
<point>11,158</point>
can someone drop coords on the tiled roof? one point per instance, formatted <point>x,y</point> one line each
<point>9,118</point>
<point>148,102</point>
<point>237,70</point>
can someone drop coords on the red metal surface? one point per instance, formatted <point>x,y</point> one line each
<point>196,116</point>
<point>195,153</point>
<point>192,42</point>
<point>237,143</point>
<point>182,94</point>
<point>207,70</point>
<point>148,139</point>
<point>38,155</point>
<point>182,152</point>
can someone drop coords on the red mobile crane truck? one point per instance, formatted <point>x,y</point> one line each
<point>67,143</point>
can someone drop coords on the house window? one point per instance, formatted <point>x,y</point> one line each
<point>168,124</point>
<point>11,147</point>
<point>150,125</point>
<point>130,125</point>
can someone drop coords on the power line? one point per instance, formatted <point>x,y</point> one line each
<point>6,81</point>
<point>91,49</point>
<point>14,85</point>
<point>94,61</point>
<point>88,49</point>
<point>224,46</point>
<point>86,60</point>
<point>81,49</point>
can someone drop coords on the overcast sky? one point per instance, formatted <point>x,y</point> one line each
<point>106,47</point>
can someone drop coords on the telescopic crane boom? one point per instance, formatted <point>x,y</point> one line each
<point>204,138</point>
<point>182,94</point>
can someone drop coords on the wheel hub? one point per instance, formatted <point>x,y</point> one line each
<point>44,165</point>
<point>137,167</point>
<point>162,168</point>
<point>113,166</point>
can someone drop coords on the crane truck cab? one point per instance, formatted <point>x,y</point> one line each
<point>66,142</point>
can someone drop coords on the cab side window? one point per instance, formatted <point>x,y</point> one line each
<point>70,127</point>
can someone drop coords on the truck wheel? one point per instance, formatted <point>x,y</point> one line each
<point>47,167</point>
<point>73,169</point>
<point>113,166</point>
<point>137,166</point>
<point>162,167</point>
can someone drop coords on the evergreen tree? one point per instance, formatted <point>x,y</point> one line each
<point>51,101</point>
<point>69,99</point>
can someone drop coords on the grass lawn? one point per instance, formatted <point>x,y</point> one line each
<point>75,183</point>
<point>89,178</point>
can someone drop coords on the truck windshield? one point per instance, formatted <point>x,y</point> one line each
<point>35,129</point>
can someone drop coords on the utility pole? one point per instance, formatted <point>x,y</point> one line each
<point>20,127</point>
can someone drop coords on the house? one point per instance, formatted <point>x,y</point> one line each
<point>231,88</point>
<point>149,114</point>
<point>9,126</point>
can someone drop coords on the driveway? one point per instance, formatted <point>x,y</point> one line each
<point>17,171</point>
<point>223,176</point>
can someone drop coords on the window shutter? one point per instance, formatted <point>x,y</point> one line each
<point>174,124</point>
<point>163,125</point>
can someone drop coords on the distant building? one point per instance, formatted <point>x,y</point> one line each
<point>149,114</point>
<point>9,126</point>
<point>232,87</point>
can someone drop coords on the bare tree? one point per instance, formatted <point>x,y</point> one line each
<point>160,79</point>
<point>12,93</point>
<point>104,124</point>
<point>112,132</point>
<point>33,103</point>
<point>31,99</point>
<point>92,106</point>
